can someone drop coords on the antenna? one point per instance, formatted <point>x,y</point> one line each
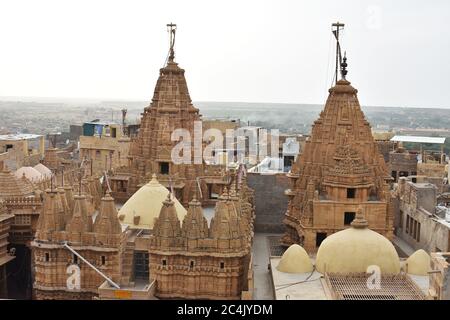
<point>335,28</point>
<point>124,116</point>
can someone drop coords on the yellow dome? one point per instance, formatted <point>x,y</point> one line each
<point>295,260</point>
<point>418,263</point>
<point>145,205</point>
<point>355,249</point>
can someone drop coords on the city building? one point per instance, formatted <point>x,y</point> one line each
<point>431,164</point>
<point>385,145</point>
<point>422,219</point>
<point>440,275</point>
<point>402,163</point>
<point>18,150</point>
<point>105,144</point>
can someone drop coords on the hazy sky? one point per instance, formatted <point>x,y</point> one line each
<point>254,51</point>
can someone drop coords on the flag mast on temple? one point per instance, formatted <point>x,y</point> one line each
<point>336,28</point>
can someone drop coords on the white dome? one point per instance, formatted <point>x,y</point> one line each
<point>295,260</point>
<point>140,211</point>
<point>46,172</point>
<point>355,249</point>
<point>418,263</point>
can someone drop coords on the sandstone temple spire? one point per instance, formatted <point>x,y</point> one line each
<point>339,170</point>
<point>151,152</point>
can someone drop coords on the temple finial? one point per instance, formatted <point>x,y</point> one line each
<point>344,66</point>
<point>171,28</point>
<point>360,221</point>
<point>336,28</point>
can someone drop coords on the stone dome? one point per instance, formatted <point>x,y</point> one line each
<point>418,263</point>
<point>30,173</point>
<point>295,260</point>
<point>140,211</point>
<point>355,249</point>
<point>46,172</point>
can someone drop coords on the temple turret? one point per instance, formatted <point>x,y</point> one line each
<point>107,223</point>
<point>11,186</point>
<point>64,205</point>
<point>69,197</point>
<point>52,217</point>
<point>195,225</point>
<point>167,228</point>
<point>225,225</point>
<point>81,222</point>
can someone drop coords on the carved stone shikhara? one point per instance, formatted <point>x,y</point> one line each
<point>151,151</point>
<point>192,260</point>
<point>339,170</point>
<point>101,243</point>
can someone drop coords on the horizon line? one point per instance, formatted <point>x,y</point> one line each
<point>98,99</point>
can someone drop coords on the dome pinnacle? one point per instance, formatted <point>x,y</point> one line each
<point>360,221</point>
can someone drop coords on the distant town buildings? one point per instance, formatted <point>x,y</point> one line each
<point>423,217</point>
<point>105,144</point>
<point>17,150</point>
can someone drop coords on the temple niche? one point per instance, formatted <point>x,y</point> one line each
<point>339,170</point>
<point>150,152</point>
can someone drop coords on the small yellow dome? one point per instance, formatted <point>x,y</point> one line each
<point>140,211</point>
<point>355,249</point>
<point>295,260</point>
<point>418,263</point>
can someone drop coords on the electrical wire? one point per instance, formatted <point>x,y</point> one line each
<point>287,285</point>
<point>328,64</point>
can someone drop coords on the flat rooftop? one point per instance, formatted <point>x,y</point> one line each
<point>296,286</point>
<point>418,139</point>
<point>19,136</point>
